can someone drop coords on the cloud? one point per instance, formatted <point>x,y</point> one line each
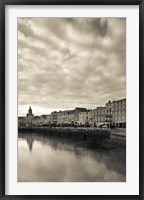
<point>69,62</point>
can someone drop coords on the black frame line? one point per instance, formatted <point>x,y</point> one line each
<point>3,109</point>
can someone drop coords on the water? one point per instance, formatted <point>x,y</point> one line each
<point>43,158</point>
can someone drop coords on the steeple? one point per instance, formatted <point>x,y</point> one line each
<point>29,112</point>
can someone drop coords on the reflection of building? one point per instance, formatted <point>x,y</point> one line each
<point>30,141</point>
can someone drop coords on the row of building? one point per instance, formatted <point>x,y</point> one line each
<point>113,113</point>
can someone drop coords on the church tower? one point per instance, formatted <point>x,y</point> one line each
<point>29,112</point>
<point>30,116</point>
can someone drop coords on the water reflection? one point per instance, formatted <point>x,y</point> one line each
<point>45,158</point>
<point>30,141</point>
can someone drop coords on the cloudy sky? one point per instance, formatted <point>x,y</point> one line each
<point>65,63</point>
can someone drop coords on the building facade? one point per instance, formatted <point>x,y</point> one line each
<point>109,112</point>
<point>119,113</point>
<point>114,113</point>
<point>99,116</point>
<point>84,117</point>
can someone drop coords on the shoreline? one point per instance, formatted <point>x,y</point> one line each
<point>114,137</point>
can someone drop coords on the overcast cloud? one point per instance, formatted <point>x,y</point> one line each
<point>65,63</point>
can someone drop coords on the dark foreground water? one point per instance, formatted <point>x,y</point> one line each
<point>43,158</point>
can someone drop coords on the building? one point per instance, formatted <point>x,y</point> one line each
<point>21,121</point>
<point>86,117</point>
<point>66,117</point>
<point>71,116</point>
<point>114,113</point>
<point>36,120</point>
<point>76,113</point>
<point>53,118</point>
<point>119,113</point>
<point>91,117</point>
<point>27,120</point>
<point>99,115</point>
<point>62,117</point>
<point>48,119</point>
<point>29,117</point>
<point>40,120</point>
<point>108,114</point>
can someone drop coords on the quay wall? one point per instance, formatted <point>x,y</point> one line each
<point>113,137</point>
<point>118,140</point>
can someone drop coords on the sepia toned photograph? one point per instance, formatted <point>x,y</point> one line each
<point>71,99</point>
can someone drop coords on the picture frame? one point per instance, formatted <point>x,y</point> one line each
<point>4,100</point>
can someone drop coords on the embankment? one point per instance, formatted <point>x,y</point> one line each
<point>114,137</point>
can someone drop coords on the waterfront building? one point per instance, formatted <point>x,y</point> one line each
<point>114,113</point>
<point>76,113</point>
<point>108,115</point>
<point>99,115</point>
<point>91,117</point>
<point>62,117</point>
<point>86,117</point>
<point>53,119</point>
<point>29,117</point>
<point>27,120</point>
<point>48,119</point>
<point>29,112</point>
<point>119,113</point>
<point>40,120</point>
<point>66,117</point>
<point>36,120</point>
<point>71,115</point>
<point>21,121</point>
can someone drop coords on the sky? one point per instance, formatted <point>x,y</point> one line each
<point>65,63</point>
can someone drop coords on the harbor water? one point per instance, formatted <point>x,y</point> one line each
<point>45,158</point>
